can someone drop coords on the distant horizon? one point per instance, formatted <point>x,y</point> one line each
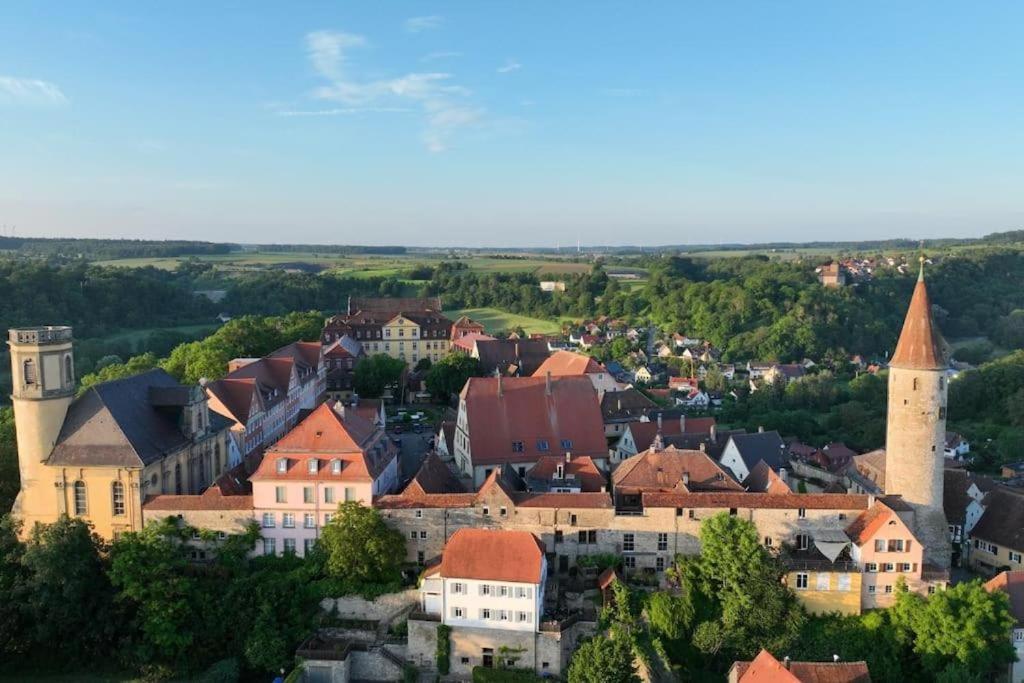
<point>536,125</point>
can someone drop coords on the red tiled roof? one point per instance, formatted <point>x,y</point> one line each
<point>763,479</point>
<point>920,345</point>
<point>435,500</point>
<point>503,411</point>
<point>562,363</point>
<point>1011,583</point>
<point>664,471</point>
<point>202,502</point>
<point>235,395</point>
<point>487,555</point>
<point>467,342</point>
<point>563,500</point>
<point>766,669</point>
<point>643,432</point>
<point>867,523</point>
<point>579,467</point>
<point>751,501</point>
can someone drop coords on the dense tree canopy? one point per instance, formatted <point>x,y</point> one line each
<point>449,375</point>
<point>376,373</point>
<point>359,548</point>
<point>603,660</point>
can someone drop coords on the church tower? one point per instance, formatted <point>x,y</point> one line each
<point>916,429</point>
<point>43,386</point>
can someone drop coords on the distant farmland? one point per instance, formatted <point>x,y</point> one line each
<point>496,320</point>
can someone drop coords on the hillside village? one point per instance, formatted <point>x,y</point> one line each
<point>564,467</point>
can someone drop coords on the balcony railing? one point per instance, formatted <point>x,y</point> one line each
<point>40,335</point>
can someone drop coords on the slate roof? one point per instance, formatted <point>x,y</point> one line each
<point>955,484</point>
<point>757,501</point>
<point>433,477</point>
<point>116,423</point>
<point>498,354</point>
<point>644,432</point>
<point>393,305</point>
<point>1002,522</point>
<point>767,446</point>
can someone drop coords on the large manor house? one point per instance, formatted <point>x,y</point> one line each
<point>525,456</point>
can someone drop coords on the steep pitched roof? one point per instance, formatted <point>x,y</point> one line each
<point>580,468</point>
<point>617,405</point>
<point>498,354</point>
<point>1011,583</point>
<point>643,432</point>
<point>116,423</point>
<point>486,554</point>
<point>920,344</point>
<point>434,476</point>
<point>955,499</point>
<point>762,479</point>
<point>767,446</point>
<point>519,410</point>
<point>568,363</point>
<point>1003,520</point>
<point>671,470</point>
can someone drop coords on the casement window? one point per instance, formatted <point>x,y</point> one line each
<point>280,494</point>
<point>269,546</point>
<point>542,445</point>
<point>888,589</point>
<point>423,535</point>
<point>628,543</point>
<point>485,613</point>
<point>307,545</point>
<point>566,444</point>
<point>350,494</point>
<point>329,494</point>
<point>335,467</point>
<point>312,466</point>
<point>822,582</point>
<point>458,612</point>
<point>268,520</point>
<point>629,562</point>
<point>871,590</point>
<point>289,545</point>
<point>844,582</point>
<point>308,495</point>
<point>458,588</point>
<point>288,520</point>
<point>889,567</point>
<point>282,465</point>
<point>523,617</point>
<point>659,563</point>
<point>1014,557</point>
<point>81,501</point>
<point>502,511</point>
<point>412,535</point>
<point>801,513</point>
<point>880,545</point>
<point>309,520</point>
<point>801,581</point>
<point>767,541</point>
<point>517,446</point>
<point>903,567</point>
<point>662,541</point>
<point>802,541</point>
<point>896,545</point>
<point>117,498</point>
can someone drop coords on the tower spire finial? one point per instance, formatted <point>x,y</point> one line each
<point>921,259</point>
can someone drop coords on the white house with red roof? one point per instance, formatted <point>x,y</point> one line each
<point>333,456</point>
<point>488,579</point>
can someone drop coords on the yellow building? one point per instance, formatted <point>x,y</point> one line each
<point>99,455</point>
<point>824,589</point>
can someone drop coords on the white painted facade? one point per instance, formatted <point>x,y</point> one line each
<point>732,461</point>
<point>477,603</point>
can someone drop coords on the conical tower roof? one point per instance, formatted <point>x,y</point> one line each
<point>920,344</point>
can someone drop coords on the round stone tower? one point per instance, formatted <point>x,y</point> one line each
<point>43,386</point>
<point>916,429</point>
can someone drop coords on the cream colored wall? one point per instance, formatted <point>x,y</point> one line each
<point>404,340</point>
<point>99,498</point>
<point>831,599</point>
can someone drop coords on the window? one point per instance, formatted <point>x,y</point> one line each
<point>802,541</point>
<point>465,660</point>
<point>1014,557</point>
<point>280,494</point>
<point>915,384</point>
<point>767,541</point>
<point>502,511</point>
<point>312,466</point>
<point>889,567</point>
<point>628,543</point>
<point>732,512</point>
<point>871,590</point>
<point>282,465</point>
<point>801,513</point>
<point>487,511</point>
<point>822,581</point>
<point>269,546</point>
<point>801,581</point>
<point>419,514</point>
<point>896,545</point>
<point>558,535</point>
<point>693,514</point>
<point>679,512</point>
<point>308,496</point>
<point>888,589</point>
<point>879,545</point>
<point>412,535</point>
<point>629,562</point>
<point>870,567</point>
<point>309,520</point>
<point>329,494</point>
<point>942,412</point>
<point>517,446</point>
<point>659,563</point>
<point>522,617</point>
<point>350,494</point>
<point>572,520</point>
<point>289,545</point>
<point>117,496</point>
<point>288,520</point>
<point>662,541</point>
<point>542,445</point>
<point>81,505</point>
<point>335,467</point>
<point>485,613</point>
<point>844,582</point>
<point>69,376</point>
<point>420,557</point>
<point>268,520</point>
<point>502,591</point>
<point>457,612</point>
<point>423,535</point>
<point>566,444</point>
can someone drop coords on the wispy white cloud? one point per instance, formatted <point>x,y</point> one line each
<point>435,94</point>
<point>30,91</point>
<point>509,66</point>
<point>443,54</point>
<point>420,24</point>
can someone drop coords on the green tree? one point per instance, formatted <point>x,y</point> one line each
<point>670,615</point>
<point>10,481</point>
<point>603,660</point>
<point>714,380</point>
<point>69,599</point>
<point>360,548</point>
<point>375,373</point>
<point>13,625</point>
<point>449,374</point>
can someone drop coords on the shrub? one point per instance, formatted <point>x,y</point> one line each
<point>483,674</point>
<point>444,649</point>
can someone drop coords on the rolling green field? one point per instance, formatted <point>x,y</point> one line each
<point>495,320</point>
<point>135,336</point>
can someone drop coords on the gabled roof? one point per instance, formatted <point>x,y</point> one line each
<point>955,499</point>
<point>671,470</point>
<point>643,432</point>
<point>344,347</point>
<point>562,363</point>
<point>392,305</point>
<point>434,477</point>
<point>920,344</point>
<point>757,501</point>
<point>625,404</point>
<point>498,354</point>
<point>504,413</point>
<point>492,555</point>
<point>868,523</point>
<point>116,424</point>
<point>1011,583</point>
<point>767,446</point>
<point>580,468</point>
<point>763,479</point>
<point>1002,522</point>
<point>468,341</point>
<point>766,669</point>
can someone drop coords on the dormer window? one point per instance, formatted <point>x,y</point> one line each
<point>566,444</point>
<point>335,467</point>
<point>542,445</point>
<point>282,465</point>
<point>313,463</point>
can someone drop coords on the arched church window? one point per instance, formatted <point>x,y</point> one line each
<point>69,376</point>
<point>28,369</point>
<point>81,503</point>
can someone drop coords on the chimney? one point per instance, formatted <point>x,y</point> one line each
<point>682,424</point>
<point>760,429</point>
<point>499,386</point>
<point>339,408</point>
<point>568,456</point>
<point>785,662</point>
<point>560,471</point>
<point>714,433</point>
<point>659,422</point>
<point>703,447</point>
<point>547,383</point>
<point>620,404</point>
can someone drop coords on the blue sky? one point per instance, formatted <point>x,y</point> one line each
<point>511,124</point>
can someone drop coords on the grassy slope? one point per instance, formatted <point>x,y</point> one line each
<point>495,320</point>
